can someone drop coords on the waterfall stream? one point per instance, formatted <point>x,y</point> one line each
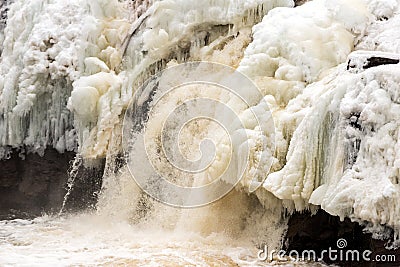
<point>217,121</point>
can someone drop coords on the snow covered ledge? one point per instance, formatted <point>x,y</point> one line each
<point>338,129</point>
<point>365,185</point>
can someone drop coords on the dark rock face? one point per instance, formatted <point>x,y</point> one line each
<point>322,231</point>
<point>300,2</point>
<point>377,61</point>
<point>86,187</point>
<point>4,4</point>
<point>33,185</point>
<point>370,59</point>
<point>37,184</point>
<point>3,12</point>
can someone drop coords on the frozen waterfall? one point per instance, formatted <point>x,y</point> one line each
<point>68,76</point>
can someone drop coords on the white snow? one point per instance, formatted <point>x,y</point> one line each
<point>383,34</point>
<point>167,29</point>
<point>367,189</point>
<point>337,131</point>
<point>331,117</point>
<point>39,62</point>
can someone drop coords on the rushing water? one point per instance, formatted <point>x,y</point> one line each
<point>87,240</point>
<point>69,70</point>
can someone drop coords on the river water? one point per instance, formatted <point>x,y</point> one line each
<point>93,240</point>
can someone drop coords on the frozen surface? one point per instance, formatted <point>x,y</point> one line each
<point>166,31</point>
<point>39,63</point>
<point>89,240</point>
<point>339,129</point>
<point>67,77</point>
<point>75,241</point>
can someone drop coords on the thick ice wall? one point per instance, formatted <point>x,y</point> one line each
<point>383,35</point>
<point>323,140</point>
<point>368,189</point>
<point>38,63</point>
<point>343,154</point>
<point>336,144</point>
<point>294,48</point>
<point>167,30</point>
<point>44,50</point>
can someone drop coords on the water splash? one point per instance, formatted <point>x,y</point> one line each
<point>72,174</point>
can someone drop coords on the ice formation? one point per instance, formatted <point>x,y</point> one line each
<point>68,76</point>
<point>339,132</point>
<point>39,63</point>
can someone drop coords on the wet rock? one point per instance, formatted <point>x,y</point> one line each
<point>35,184</point>
<point>300,2</point>
<point>322,231</point>
<point>377,61</point>
<point>359,61</point>
<point>86,186</point>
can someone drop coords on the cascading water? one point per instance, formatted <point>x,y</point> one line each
<point>73,172</point>
<point>68,78</point>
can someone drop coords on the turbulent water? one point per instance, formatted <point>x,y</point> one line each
<point>93,241</point>
<point>328,136</point>
<point>86,240</point>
